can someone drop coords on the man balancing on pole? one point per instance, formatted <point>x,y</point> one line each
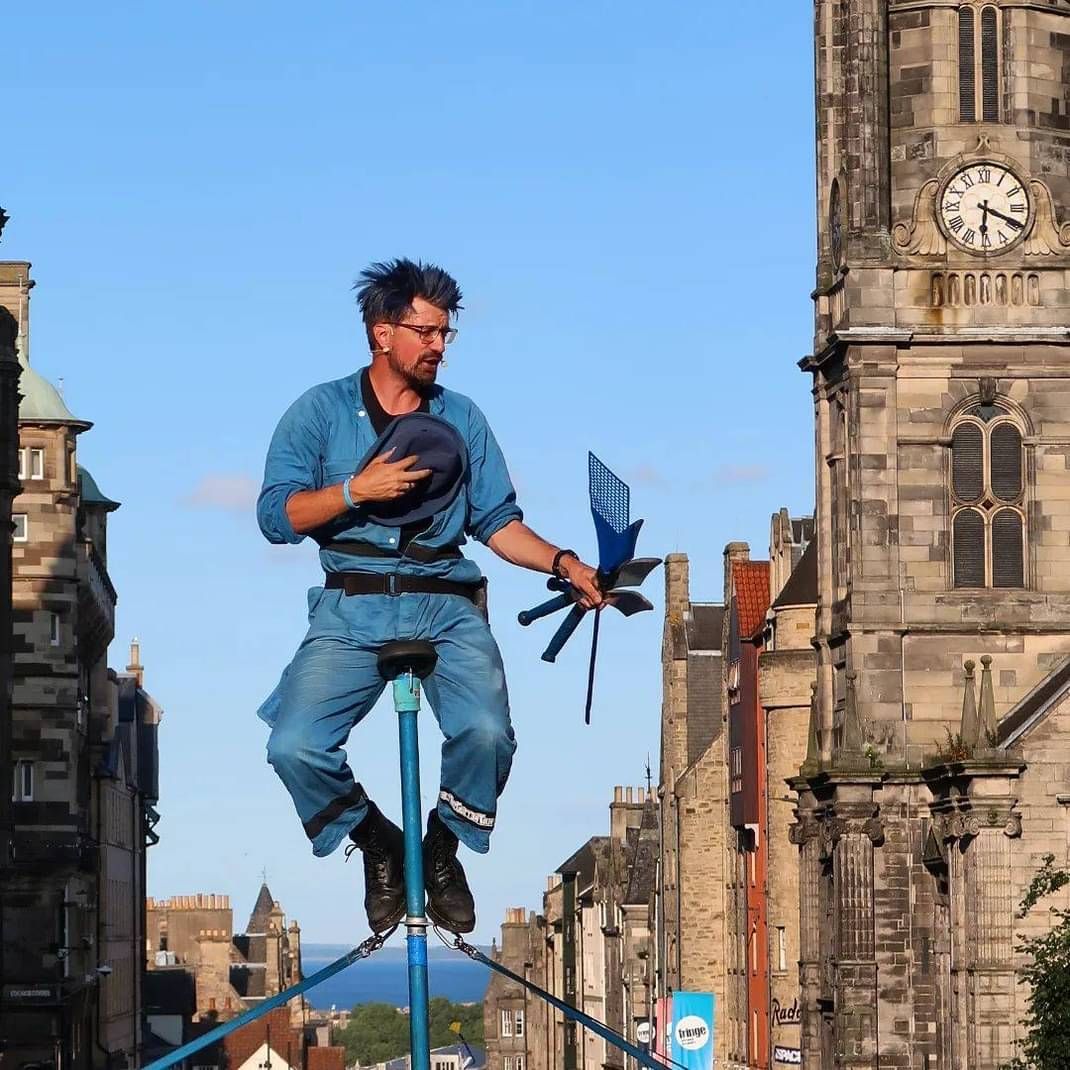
<point>389,472</point>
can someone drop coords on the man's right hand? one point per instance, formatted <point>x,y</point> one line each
<point>383,480</point>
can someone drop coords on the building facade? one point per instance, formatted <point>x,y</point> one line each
<point>591,946</point>
<point>10,371</point>
<point>727,895</point>
<point>941,386</point>
<point>689,911</point>
<point>231,972</point>
<point>82,757</point>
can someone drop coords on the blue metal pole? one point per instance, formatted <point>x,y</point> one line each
<point>407,704</point>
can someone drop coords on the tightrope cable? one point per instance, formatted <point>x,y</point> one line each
<point>645,1058</point>
<point>363,951</point>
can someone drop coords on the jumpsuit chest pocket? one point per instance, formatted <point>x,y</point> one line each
<point>335,470</point>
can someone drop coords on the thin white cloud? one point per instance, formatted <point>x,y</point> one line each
<point>741,473</point>
<point>230,493</point>
<point>646,475</point>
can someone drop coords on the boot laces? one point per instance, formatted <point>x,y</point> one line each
<point>443,861</point>
<point>376,860</point>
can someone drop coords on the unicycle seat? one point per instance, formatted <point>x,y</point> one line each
<point>406,655</point>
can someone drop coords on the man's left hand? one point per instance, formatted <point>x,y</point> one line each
<point>585,581</point>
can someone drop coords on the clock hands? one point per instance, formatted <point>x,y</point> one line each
<point>999,215</point>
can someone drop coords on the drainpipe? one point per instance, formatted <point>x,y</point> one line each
<point>100,925</point>
<point>679,901</point>
<point>138,892</point>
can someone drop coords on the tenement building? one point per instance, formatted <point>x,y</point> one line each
<point>79,756</point>
<point>228,972</point>
<point>738,681</point>
<point>9,488</point>
<point>941,390</point>
<point>591,946</point>
<point>692,790</point>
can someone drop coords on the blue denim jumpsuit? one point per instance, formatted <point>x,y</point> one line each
<point>333,681</point>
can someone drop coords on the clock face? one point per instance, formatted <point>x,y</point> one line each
<point>985,208</point>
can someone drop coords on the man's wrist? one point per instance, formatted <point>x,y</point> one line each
<point>559,559</point>
<point>347,494</point>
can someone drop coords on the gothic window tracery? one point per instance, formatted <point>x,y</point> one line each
<point>987,499</point>
<point>979,35</point>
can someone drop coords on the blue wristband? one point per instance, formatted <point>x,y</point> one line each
<point>347,496</point>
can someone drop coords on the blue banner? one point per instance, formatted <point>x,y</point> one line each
<point>692,1030</point>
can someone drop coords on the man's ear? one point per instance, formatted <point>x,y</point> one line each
<point>383,333</point>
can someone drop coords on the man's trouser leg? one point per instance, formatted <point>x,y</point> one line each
<point>328,688</point>
<point>468,695</point>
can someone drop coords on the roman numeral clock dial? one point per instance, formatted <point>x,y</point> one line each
<point>985,209</point>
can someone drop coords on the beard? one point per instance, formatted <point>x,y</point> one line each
<point>421,373</point>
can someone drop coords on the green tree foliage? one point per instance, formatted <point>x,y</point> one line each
<point>379,1031</point>
<point>1047,971</point>
<point>443,1012</point>
<point>376,1032</point>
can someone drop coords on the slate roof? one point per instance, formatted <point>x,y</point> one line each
<point>582,862</point>
<point>642,872</point>
<point>704,626</point>
<point>248,981</point>
<point>1033,707</point>
<point>258,920</point>
<point>750,581</point>
<point>801,588</point>
<point>170,991</point>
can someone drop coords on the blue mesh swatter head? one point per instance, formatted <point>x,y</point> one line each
<point>611,509</point>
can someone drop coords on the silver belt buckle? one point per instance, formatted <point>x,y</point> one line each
<point>392,584</point>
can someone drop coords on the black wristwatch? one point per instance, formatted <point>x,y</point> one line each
<point>555,568</point>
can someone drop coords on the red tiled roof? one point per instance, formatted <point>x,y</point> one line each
<point>326,1059</point>
<point>750,586</point>
<point>285,1042</point>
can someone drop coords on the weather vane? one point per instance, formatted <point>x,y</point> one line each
<point>618,569</point>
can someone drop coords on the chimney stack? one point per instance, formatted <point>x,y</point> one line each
<point>135,668</point>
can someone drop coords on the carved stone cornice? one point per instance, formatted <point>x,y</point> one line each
<point>971,797</point>
<point>804,831</point>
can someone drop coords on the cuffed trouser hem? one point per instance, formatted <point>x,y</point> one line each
<point>332,824</point>
<point>329,839</point>
<point>472,827</point>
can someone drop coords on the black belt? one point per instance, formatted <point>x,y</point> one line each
<point>391,583</point>
<point>426,555</point>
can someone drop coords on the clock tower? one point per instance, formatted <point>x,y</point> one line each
<point>941,389</point>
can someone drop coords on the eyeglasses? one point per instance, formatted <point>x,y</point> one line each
<point>429,333</point>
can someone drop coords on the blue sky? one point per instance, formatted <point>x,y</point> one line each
<point>624,192</point>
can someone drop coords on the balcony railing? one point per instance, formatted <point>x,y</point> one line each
<point>96,599</point>
<point>33,852</point>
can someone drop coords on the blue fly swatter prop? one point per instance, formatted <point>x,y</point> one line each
<point>618,568</point>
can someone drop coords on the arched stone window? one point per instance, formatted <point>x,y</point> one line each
<point>979,32</point>
<point>988,529</point>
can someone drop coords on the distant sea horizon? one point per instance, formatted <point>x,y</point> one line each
<point>383,977</point>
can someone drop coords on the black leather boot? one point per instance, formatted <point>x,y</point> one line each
<point>449,901</point>
<point>383,846</point>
